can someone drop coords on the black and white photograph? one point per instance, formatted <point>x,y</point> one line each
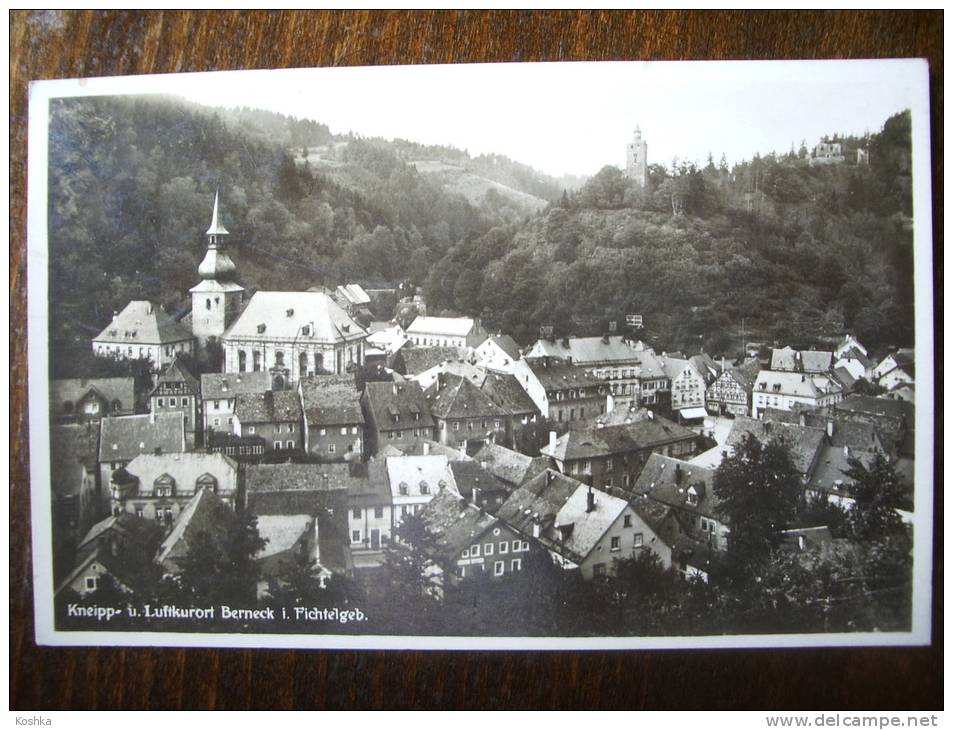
<point>502,356</point>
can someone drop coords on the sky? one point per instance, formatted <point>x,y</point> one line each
<point>575,118</point>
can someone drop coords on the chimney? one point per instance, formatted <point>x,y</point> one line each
<point>393,388</point>
<point>476,496</point>
<point>590,501</point>
<point>651,415</point>
<point>149,308</point>
<point>535,527</point>
<point>678,473</point>
<point>830,428</point>
<point>426,449</point>
<point>552,441</point>
<point>847,452</point>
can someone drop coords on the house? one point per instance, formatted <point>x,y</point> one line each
<point>77,499</point>
<point>460,368</point>
<point>273,415</point>
<point>119,547</point>
<point>158,486</point>
<point>288,538</point>
<point>395,414</point>
<point>243,449</point>
<point>786,359</point>
<point>510,467</point>
<point>631,368</point>
<point>687,387</point>
<point>582,527</point>
<point>785,390</point>
<point>370,507</point>
<point>615,455</point>
<point>468,542</point>
<point>144,331</point>
<point>316,490</point>
<point>219,391</point>
<point>291,335</point>
<point>446,332</point>
<point>826,153</point>
<point>479,486</point>
<point>849,342</point>
<point>387,337</point>
<point>732,390</point>
<point>462,411</point>
<point>76,400</point>
<point>414,480</point>
<point>804,442</point>
<point>564,393</point>
<point>505,390</point>
<point>124,438</point>
<point>689,491</point>
<point>829,481</point>
<point>895,370</point>
<point>177,389</point>
<point>498,352</point>
<point>412,361</point>
<point>855,361</point>
<point>708,367</point>
<point>352,298</point>
<point>203,514</point>
<point>333,419</point>
<point>894,421</point>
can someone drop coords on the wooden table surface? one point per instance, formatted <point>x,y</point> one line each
<point>52,44</point>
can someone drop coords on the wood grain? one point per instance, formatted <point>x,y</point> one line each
<point>51,44</point>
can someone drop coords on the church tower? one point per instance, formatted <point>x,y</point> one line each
<point>636,159</point>
<point>217,299</point>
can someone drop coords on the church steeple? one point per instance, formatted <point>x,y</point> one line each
<point>215,229</point>
<point>216,264</point>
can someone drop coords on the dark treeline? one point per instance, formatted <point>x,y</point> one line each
<point>792,250</point>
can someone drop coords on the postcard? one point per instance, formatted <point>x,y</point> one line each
<point>504,356</point>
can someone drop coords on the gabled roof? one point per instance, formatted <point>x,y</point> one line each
<point>707,366</point>
<point>808,361</point>
<point>852,353</point>
<point>303,316</point>
<point>804,441</point>
<point>673,367</point>
<point>405,400</point>
<point>832,462</point>
<point>454,524</point>
<point>291,489</point>
<point>203,513</point>
<point>505,390</point>
<point>510,466</point>
<point>844,378</point>
<point>415,473</point>
<point>125,437</point>
<point>644,433</point>
<point>506,343</point>
<point>331,400</point>
<point>368,486</point>
<point>353,294</point>
<point>185,469</point>
<point>278,406</point>
<point>588,527</point>
<point>72,447</point>
<point>667,480</point>
<point>132,533</point>
<point>887,407</point>
<point>281,532</point>
<point>804,385</point>
<point>449,326</point>
<point>143,323</point>
<point>614,350</point>
<point>418,359</point>
<point>556,374</point>
<point>539,500</point>
<point>228,385</point>
<point>452,397</point>
<point>746,373</point>
<point>470,475</point>
<point>426,447</point>
<point>178,372</point>
<point>74,389</point>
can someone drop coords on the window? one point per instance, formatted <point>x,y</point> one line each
<point>525,546</point>
<point>516,546</point>
<point>637,542</point>
<point>456,425</point>
<point>91,583</point>
<point>627,521</point>
<point>353,430</point>
<point>291,428</point>
<point>185,401</point>
<point>615,543</point>
<point>160,402</point>
<point>403,491</point>
<point>608,464</point>
<point>331,448</point>
<point>139,512</point>
<point>378,512</point>
<point>355,536</point>
<point>324,432</point>
<point>344,430</point>
<point>290,444</point>
<point>466,553</point>
<point>277,446</point>
<point>251,429</point>
<point>599,570</point>
<point>516,564</point>
<point>488,549</point>
<point>424,489</point>
<point>475,551</point>
<point>504,547</point>
<point>498,567</point>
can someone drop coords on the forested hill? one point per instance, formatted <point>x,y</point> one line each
<point>789,251</point>
<point>774,241</point>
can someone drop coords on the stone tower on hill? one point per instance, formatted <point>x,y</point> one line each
<point>216,300</point>
<point>636,159</point>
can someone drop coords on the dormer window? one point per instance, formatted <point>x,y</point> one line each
<point>261,328</point>
<point>207,481</point>
<point>164,486</point>
<point>402,488</point>
<point>424,488</point>
<point>290,312</point>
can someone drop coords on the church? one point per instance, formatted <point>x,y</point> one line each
<point>289,335</point>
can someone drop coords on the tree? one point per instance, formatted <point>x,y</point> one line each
<point>758,490</point>
<point>878,492</point>
<point>411,585</point>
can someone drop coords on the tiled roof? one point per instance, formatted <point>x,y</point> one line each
<point>470,475</point>
<point>449,326</point>
<point>143,323</point>
<point>558,375</point>
<point>808,361</point>
<point>178,372</point>
<point>832,462</point>
<point>125,437</point>
<point>185,469</point>
<point>455,397</point>
<point>539,499</point>
<point>368,486</point>
<point>417,473</point>
<point>417,359</point>
<point>354,294</point>
<point>644,433</point>
<point>291,489</point>
<point>281,532</point>
<point>880,407</point>
<point>507,344</point>
<point>203,513</point>
<point>74,389</point>
<point>587,527</point>
<point>425,447</point>
<point>405,400</point>
<point>591,350</point>
<point>804,441</point>
<point>852,353</point>
<point>803,385</point>
<point>510,466</point>
<point>279,406</point>
<point>303,316</point>
<point>132,532</point>
<point>667,480</point>
<point>454,524</point>
<point>228,385</point>
<point>746,373</point>
<point>505,390</point>
<point>331,400</point>
<point>673,366</point>
<point>70,447</point>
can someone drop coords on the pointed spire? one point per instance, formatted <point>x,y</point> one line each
<point>216,228</point>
